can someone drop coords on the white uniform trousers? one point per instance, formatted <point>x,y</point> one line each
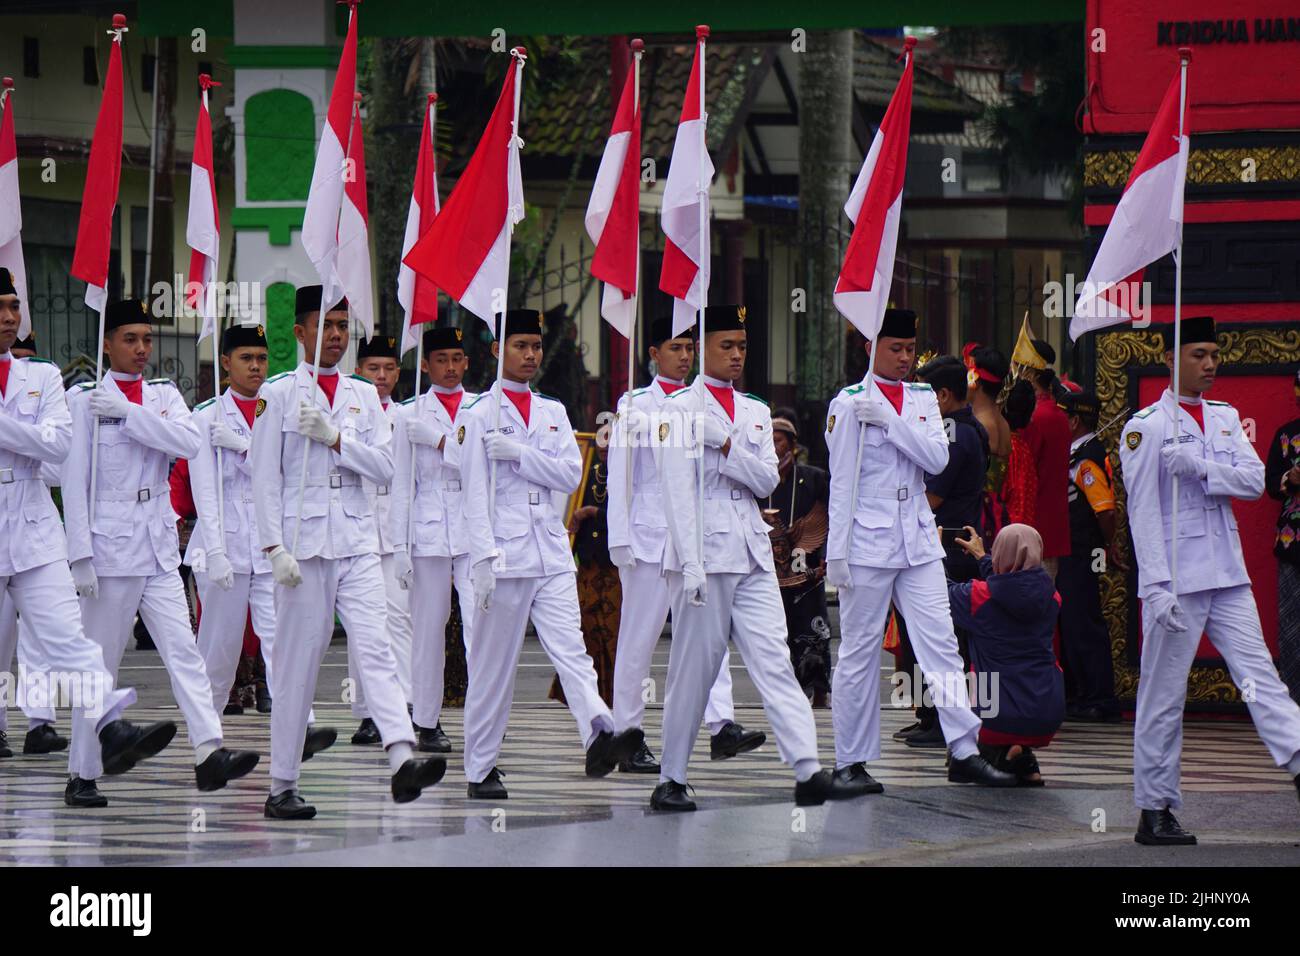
<point>304,623</point>
<point>31,670</point>
<point>552,603</point>
<point>921,595</point>
<point>221,628</point>
<point>641,622</point>
<point>47,600</point>
<point>746,608</point>
<point>109,620</point>
<point>1231,621</point>
<point>398,608</point>
<point>430,608</point>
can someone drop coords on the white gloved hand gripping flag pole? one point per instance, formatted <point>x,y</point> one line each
<point>613,221</point>
<point>320,224</point>
<point>11,213</point>
<point>1147,224</point>
<point>417,295</point>
<point>875,207</point>
<point>95,228</point>
<point>203,236</point>
<point>466,251</point>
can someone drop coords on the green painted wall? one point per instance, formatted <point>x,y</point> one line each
<point>280,343</point>
<point>280,146</point>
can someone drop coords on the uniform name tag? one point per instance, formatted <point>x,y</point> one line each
<point>508,430</point>
<point>553,428</point>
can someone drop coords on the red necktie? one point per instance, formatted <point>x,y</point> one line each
<point>328,382</point>
<point>247,407</point>
<point>452,403</point>
<point>134,390</point>
<point>1195,410</point>
<point>4,375</point>
<point>893,392</point>
<point>523,401</point>
<point>670,387</point>
<point>726,397</point>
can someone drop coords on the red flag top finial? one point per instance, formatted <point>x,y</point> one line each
<point>206,82</point>
<point>908,44</point>
<point>519,53</point>
<point>119,21</point>
<point>8,82</point>
<point>702,31</point>
<point>638,45</point>
<point>433,98</point>
<point>356,97</point>
<point>1185,53</point>
<point>350,4</point>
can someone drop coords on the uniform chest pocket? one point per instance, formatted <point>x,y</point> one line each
<point>115,447</point>
<point>28,408</point>
<point>1221,447</point>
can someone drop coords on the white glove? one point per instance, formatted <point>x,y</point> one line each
<point>621,556</point>
<point>420,431</point>
<point>838,574</point>
<point>219,571</point>
<point>711,432</point>
<point>1165,609</point>
<point>405,572</point>
<point>284,567</point>
<point>107,403</point>
<point>222,435</point>
<point>315,424</point>
<point>871,411</point>
<point>695,584</point>
<point>83,576</point>
<point>1180,461</point>
<point>501,448</point>
<point>484,581</point>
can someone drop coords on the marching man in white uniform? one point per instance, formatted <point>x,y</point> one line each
<point>638,533</point>
<point>432,548</point>
<point>883,545</point>
<point>729,589</point>
<point>521,564</point>
<point>122,539</point>
<point>36,430</point>
<point>1214,462</point>
<point>379,363</point>
<point>340,427</point>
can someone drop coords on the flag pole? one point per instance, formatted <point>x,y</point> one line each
<point>520,55</point>
<point>320,338</point>
<point>431,116</point>
<point>701,36</point>
<point>638,48</point>
<point>1184,56</point>
<point>210,307</point>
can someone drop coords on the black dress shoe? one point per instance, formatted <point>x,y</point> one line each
<point>83,793</point>
<point>222,766</point>
<point>433,741</point>
<point>4,746</point>
<point>734,739</point>
<point>263,701</point>
<point>490,788</point>
<point>366,734</point>
<point>318,739</point>
<point>123,744</point>
<point>288,806</point>
<point>1161,828</point>
<point>975,769</point>
<point>609,750</point>
<point>907,731</point>
<point>670,797</point>
<point>643,761</point>
<point>853,781</point>
<point>814,791</point>
<point>416,774</point>
<point>929,739</point>
<point>232,710</point>
<point>44,739</point>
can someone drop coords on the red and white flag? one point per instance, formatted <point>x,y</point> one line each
<point>203,227</point>
<point>103,173</point>
<point>11,213</point>
<point>354,233</point>
<point>614,214</point>
<point>1146,224</point>
<point>685,209</point>
<point>320,223</point>
<point>875,206</point>
<point>466,251</point>
<point>418,295</point>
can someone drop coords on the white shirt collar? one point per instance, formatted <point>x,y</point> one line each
<point>1074,445</point>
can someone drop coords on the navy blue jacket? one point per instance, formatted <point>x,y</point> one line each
<point>1011,619</point>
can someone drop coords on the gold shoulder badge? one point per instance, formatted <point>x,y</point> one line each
<point>1133,439</point>
<point>261,407</point>
<point>663,431</point>
<point>460,435</point>
<point>830,424</point>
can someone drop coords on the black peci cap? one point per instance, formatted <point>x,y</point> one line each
<point>898,324</point>
<point>1196,328</point>
<point>522,322</point>
<point>243,337</point>
<point>725,318</point>
<point>380,346</point>
<point>307,300</point>
<point>447,337</point>
<point>7,282</point>
<point>126,312</point>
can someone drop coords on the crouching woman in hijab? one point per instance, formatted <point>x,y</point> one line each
<point>1010,614</point>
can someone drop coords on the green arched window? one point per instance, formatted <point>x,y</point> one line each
<point>280,343</point>
<point>279,146</point>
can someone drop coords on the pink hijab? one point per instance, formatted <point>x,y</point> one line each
<point>1018,547</point>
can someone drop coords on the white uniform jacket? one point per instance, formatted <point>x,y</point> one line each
<point>338,520</point>
<point>1209,554</point>
<point>236,478</point>
<point>735,535</point>
<point>640,523</point>
<point>35,432</point>
<point>439,528</point>
<point>526,533</point>
<point>892,525</point>
<point>134,530</point>
<point>381,493</point>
